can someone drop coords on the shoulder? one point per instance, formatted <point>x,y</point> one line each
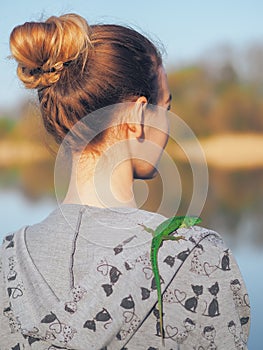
<point>202,255</point>
<point>132,215</point>
<point>207,288</point>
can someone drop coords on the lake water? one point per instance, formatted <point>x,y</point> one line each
<point>17,210</point>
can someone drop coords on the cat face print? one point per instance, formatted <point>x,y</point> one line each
<point>235,285</point>
<point>198,290</point>
<point>232,327</point>
<point>189,324</point>
<point>214,289</point>
<point>209,333</point>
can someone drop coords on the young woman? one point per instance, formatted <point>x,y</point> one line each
<point>82,278</point>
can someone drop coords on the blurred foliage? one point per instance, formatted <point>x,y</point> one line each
<point>6,126</point>
<point>24,131</point>
<point>25,124</point>
<point>216,104</point>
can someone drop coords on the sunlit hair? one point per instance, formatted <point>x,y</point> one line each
<point>78,69</point>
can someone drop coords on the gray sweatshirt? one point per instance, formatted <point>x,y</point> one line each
<point>82,279</point>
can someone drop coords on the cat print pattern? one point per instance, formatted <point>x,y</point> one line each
<point>114,304</point>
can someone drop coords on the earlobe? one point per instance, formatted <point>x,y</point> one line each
<point>141,139</point>
<point>136,126</point>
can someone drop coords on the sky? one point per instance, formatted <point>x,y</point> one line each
<point>188,29</point>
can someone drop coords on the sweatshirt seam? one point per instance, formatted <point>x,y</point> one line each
<point>74,248</point>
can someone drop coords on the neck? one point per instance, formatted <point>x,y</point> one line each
<point>102,181</point>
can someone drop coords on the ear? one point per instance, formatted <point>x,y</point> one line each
<point>136,123</point>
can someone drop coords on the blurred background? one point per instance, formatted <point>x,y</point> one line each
<point>213,54</point>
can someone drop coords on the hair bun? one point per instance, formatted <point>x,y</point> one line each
<point>44,49</point>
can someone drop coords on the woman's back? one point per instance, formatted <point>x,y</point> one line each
<point>82,279</point>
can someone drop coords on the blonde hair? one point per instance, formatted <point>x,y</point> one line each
<point>78,69</point>
<point>42,50</point>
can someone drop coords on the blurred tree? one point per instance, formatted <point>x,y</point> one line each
<point>217,98</point>
<point>6,126</point>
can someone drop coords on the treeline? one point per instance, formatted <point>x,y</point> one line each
<point>219,96</point>
<point>25,125</point>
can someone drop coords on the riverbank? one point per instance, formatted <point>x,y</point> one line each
<point>17,153</point>
<point>225,151</point>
